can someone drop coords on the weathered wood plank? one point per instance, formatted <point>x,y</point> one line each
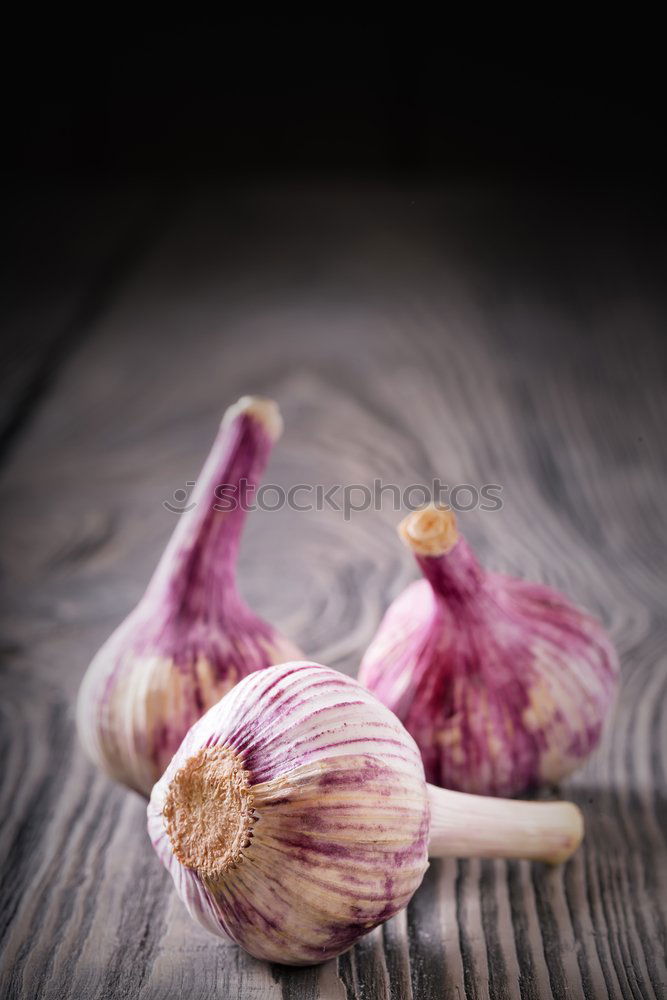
<point>406,334</point>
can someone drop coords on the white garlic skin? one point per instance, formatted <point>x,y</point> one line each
<point>340,827</point>
<point>142,691</point>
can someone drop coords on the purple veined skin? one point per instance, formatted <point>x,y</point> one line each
<point>504,684</point>
<point>295,816</point>
<point>191,637</point>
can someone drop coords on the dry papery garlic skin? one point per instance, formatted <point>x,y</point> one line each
<point>295,817</point>
<point>191,637</point>
<point>504,684</point>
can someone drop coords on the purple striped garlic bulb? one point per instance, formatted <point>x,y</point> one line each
<point>504,684</point>
<point>295,817</point>
<point>191,637</point>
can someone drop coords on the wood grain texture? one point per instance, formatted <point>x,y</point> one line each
<point>406,334</point>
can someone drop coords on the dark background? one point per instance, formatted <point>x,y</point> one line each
<point>557,105</point>
<point>105,118</point>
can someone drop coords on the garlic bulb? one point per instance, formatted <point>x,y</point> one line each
<point>191,637</point>
<point>504,684</point>
<point>295,816</point>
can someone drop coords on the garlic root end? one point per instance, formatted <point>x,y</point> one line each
<point>208,811</point>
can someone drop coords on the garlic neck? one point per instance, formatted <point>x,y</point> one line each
<point>196,576</point>
<point>445,558</point>
<point>454,576</point>
<point>208,812</point>
<point>477,826</point>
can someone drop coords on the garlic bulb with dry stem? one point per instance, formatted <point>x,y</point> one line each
<point>191,637</point>
<point>295,817</point>
<point>504,684</point>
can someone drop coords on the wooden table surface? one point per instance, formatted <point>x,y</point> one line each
<point>407,333</point>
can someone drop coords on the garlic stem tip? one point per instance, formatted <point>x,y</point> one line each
<point>264,411</point>
<point>573,819</point>
<point>430,531</point>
